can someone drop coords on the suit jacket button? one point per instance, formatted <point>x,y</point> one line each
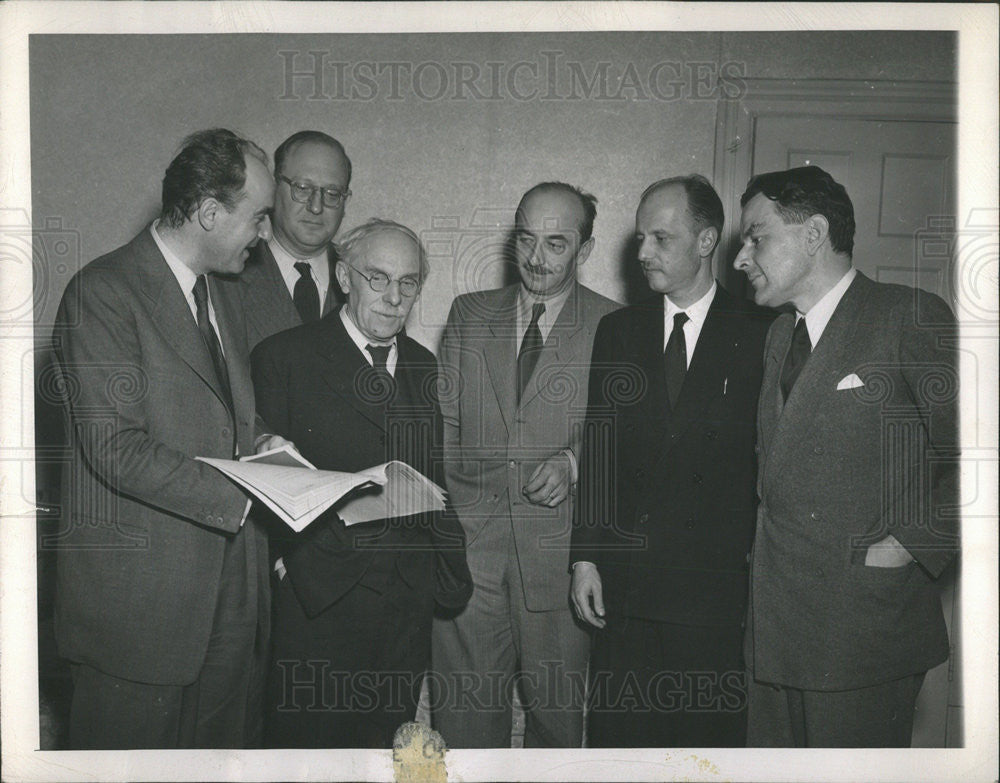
<point>696,478</point>
<point>512,464</point>
<point>644,519</point>
<point>813,515</point>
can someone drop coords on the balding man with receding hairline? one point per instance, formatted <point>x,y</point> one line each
<point>660,566</point>
<point>519,355</point>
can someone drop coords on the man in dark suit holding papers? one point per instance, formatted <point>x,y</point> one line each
<point>353,605</point>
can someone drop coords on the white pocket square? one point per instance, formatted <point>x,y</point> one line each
<point>851,381</point>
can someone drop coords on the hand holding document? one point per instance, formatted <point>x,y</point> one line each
<point>297,492</point>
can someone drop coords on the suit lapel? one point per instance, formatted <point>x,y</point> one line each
<point>645,341</point>
<point>330,303</point>
<point>824,368</point>
<point>170,312</point>
<point>557,349</point>
<point>705,379</point>
<point>342,367</point>
<point>501,355</point>
<point>266,295</point>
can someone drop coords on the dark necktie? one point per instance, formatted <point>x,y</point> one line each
<point>531,347</point>
<point>382,385</point>
<point>795,359</point>
<point>212,339</point>
<point>306,295</point>
<point>675,359</point>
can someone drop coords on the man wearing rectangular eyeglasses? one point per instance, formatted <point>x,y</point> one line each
<point>353,605</point>
<point>288,279</point>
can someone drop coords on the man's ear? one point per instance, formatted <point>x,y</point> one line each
<point>584,252</point>
<point>208,212</point>
<point>708,238</point>
<point>343,279</point>
<point>817,232</point>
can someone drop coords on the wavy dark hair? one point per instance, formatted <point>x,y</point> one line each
<point>800,193</point>
<point>211,164</point>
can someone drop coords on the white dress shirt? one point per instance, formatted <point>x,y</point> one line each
<point>319,266</point>
<point>696,314</point>
<point>361,341</point>
<point>819,314</point>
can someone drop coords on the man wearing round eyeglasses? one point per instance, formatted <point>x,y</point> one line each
<point>289,279</point>
<point>353,604</point>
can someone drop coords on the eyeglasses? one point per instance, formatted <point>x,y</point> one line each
<point>379,281</point>
<point>303,193</point>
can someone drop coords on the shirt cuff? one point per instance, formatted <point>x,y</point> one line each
<point>574,471</point>
<point>581,562</point>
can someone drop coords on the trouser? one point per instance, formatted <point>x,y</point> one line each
<point>351,675</point>
<point>878,716</point>
<point>656,684</point>
<point>495,644</point>
<point>222,708</point>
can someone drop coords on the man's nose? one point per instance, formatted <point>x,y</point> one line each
<point>742,260</point>
<point>315,203</point>
<point>644,245</point>
<point>392,293</point>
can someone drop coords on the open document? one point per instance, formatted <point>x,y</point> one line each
<point>298,493</point>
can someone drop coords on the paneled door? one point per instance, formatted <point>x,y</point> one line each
<point>893,147</point>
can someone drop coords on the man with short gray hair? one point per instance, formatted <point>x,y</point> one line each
<point>353,604</point>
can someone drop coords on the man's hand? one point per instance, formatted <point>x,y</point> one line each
<point>586,588</point>
<point>887,553</point>
<point>268,442</point>
<point>549,484</point>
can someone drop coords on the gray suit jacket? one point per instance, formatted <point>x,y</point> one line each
<point>267,305</point>
<point>492,444</point>
<point>144,525</point>
<point>841,468</point>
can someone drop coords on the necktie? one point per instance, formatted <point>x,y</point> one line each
<point>212,339</point>
<point>306,295</point>
<point>795,359</point>
<point>531,347</point>
<point>675,359</point>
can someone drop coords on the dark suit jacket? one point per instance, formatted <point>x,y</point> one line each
<point>486,431</point>
<point>268,306</point>
<point>312,383</point>
<point>843,468</point>
<point>666,503</point>
<point>140,554</point>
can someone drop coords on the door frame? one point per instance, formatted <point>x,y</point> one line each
<point>847,99</point>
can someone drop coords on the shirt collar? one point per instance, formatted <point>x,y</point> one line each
<point>186,278</point>
<point>819,314</point>
<point>696,312</point>
<point>286,262</point>
<point>553,305</point>
<point>359,339</point>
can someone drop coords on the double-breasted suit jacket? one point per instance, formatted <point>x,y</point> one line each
<point>666,502</point>
<point>315,388</point>
<point>864,447</point>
